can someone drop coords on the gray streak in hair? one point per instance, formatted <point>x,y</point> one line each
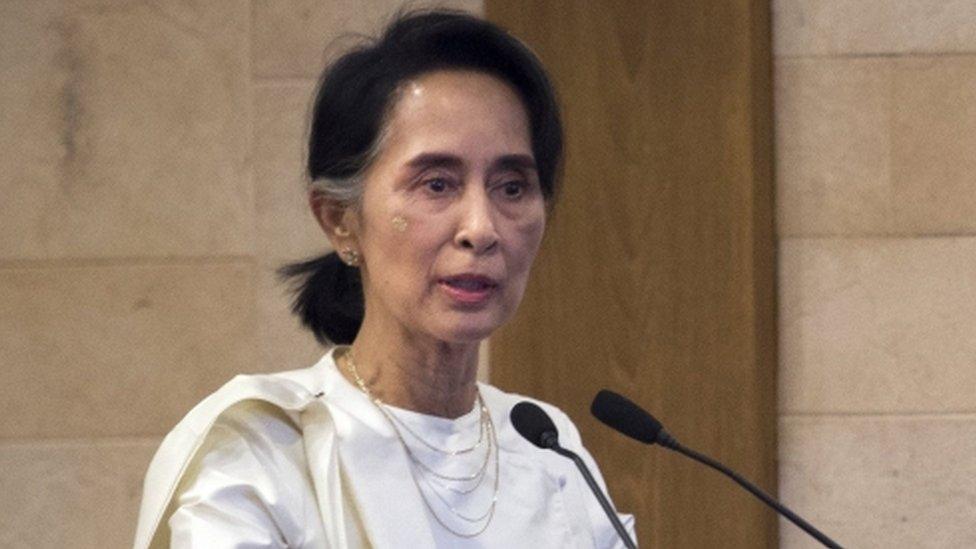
<point>348,191</point>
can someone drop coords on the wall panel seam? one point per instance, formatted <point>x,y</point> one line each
<point>33,442</point>
<point>906,415</point>
<point>271,81</point>
<point>874,55</point>
<point>875,236</point>
<point>162,261</point>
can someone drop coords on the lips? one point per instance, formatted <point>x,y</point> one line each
<point>468,288</point>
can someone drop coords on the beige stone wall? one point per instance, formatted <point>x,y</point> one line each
<point>876,204</point>
<point>150,182</point>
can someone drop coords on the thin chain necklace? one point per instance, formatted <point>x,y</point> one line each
<point>487,425</point>
<point>482,420</point>
<point>481,430</point>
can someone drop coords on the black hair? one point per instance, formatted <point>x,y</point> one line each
<point>354,97</point>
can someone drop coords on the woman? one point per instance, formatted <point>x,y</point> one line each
<point>433,156</point>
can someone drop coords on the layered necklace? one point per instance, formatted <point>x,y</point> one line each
<point>427,477</point>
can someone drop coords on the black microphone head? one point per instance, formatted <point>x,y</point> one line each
<point>621,414</point>
<point>533,423</point>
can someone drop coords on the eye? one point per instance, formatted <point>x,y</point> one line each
<point>513,189</point>
<point>437,185</point>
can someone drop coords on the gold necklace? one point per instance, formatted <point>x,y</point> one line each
<point>481,430</point>
<point>487,425</point>
<point>483,411</point>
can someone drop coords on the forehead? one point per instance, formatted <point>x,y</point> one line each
<point>460,111</point>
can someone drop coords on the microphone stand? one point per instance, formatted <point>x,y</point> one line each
<point>622,415</point>
<point>754,490</point>
<point>552,442</point>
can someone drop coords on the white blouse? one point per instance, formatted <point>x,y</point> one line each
<point>251,484</point>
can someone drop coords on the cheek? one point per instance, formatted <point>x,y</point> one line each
<point>526,240</point>
<point>417,235</point>
<point>390,228</point>
<point>411,243</point>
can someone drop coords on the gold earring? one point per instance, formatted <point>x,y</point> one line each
<point>350,256</point>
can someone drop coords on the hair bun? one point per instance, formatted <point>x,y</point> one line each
<point>328,297</point>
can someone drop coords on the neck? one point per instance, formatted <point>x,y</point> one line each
<point>415,373</point>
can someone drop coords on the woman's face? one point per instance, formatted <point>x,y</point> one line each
<point>452,213</point>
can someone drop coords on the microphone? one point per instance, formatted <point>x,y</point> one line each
<point>535,425</point>
<point>620,414</point>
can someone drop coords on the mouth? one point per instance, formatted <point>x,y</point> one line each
<point>468,288</point>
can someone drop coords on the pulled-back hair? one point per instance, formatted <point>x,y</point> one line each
<point>355,95</point>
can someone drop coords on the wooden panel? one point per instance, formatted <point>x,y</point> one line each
<point>657,274</point>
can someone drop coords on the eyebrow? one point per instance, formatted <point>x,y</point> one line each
<point>446,160</point>
<point>515,162</point>
<point>435,160</point>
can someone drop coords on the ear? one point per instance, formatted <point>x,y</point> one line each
<point>335,219</point>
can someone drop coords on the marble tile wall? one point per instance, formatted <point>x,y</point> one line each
<point>876,218</point>
<point>151,183</point>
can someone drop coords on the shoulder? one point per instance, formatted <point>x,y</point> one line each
<point>257,423</point>
<point>256,414</point>
<point>580,502</point>
<point>249,466</point>
<point>250,469</point>
<point>250,415</point>
<point>289,390</point>
<point>507,400</point>
<point>501,403</point>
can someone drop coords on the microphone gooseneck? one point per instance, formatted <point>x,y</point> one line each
<point>622,415</point>
<point>535,425</point>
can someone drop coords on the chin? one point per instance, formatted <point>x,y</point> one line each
<point>462,334</point>
<point>467,330</point>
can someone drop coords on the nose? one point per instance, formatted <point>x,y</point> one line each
<point>476,228</point>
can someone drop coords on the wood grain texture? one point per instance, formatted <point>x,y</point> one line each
<point>657,275</point>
